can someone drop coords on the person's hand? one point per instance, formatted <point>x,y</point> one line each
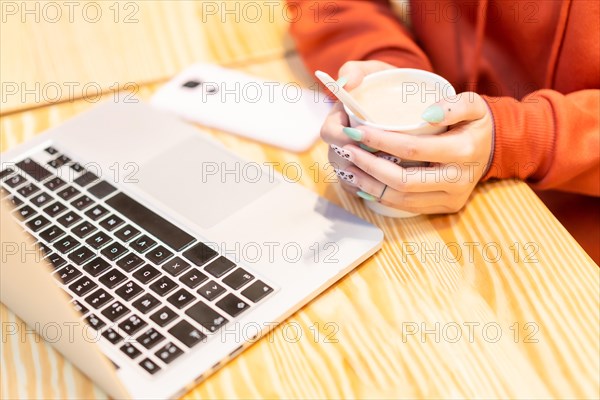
<point>351,73</point>
<point>459,158</point>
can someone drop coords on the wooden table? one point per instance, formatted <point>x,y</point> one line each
<point>502,273</point>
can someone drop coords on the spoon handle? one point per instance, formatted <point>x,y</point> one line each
<point>343,96</point>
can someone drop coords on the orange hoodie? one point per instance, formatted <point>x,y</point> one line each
<point>536,62</point>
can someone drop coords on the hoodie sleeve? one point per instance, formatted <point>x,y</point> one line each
<point>327,34</point>
<point>549,139</point>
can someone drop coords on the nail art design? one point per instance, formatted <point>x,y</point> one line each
<point>391,158</point>
<point>367,148</point>
<point>340,152</point>
<point>433,114</point>
<point>353,134</point>
<point>366,196</point>
<point>345,175</point>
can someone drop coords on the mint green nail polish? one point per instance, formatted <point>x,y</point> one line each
<point>353,134</point>
<point>367,148</point>
<point>366,196</point>
<point>341,82</point>
<point>433,114</point>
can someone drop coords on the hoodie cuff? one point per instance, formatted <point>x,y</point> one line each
<point>523,138</point>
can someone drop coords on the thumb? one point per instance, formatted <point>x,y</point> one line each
<point>352,73</point>
<point>467,106</point>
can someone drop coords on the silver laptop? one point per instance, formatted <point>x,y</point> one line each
<point>155,253</point>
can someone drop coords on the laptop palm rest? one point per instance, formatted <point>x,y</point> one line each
<point>203,183</point>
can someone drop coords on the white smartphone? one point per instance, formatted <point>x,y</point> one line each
<point>277,113</point>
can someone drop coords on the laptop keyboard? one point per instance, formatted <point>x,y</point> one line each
<point>130,272</point>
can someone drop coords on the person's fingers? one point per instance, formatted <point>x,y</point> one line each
<point>467,106</point>
<point>443,148</point>
<point>331,130</point>
<point>412,179</point>
<point>414,202</point>
<point>355,71</point>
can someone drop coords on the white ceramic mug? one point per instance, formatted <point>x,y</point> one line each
<point>396,98</point>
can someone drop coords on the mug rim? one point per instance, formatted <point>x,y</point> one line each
<point>399,128</point>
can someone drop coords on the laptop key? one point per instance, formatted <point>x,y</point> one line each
<point>150,366</point>
<point>186,333</point>
<point>43,248</point>
<point>69,219</point>
<point>168,353</point>
<point>165,231</point>
<point>114,251</point>
<point>206,316</point>
<point>132,324</point>
<point>129,291</point>
<point>146,303</point>
<point>80,308</point>
<point>164,316</point>
<point>238,278</point>
<point>159,255</point>
<point>115,311</point>
<point>51,150</point>
<point>82,286</point>
<point>131,351</point>
<point>127,233</point>
<point>6,172</point>
<point>55,209</point>
<point>112,278</point>
<point>97,266</point>
<point>150,338</point>
<point>98,240</point>
<point>66,244</point>
<point>82,202</point>
<point>56,260</point>
<point>163,286</point>
<point>15,200</point>
<point>112,336</point>
<point>28,190</point>
<point>59,161</point>
<point>98,299</point>
<point>257,291</point>
<point>200,254</point>
<point>95,322</point>
<point>211,290</point>
<point>96,212</point>
<point>130,262</point>
<point>232,305</point>
<point>67,274</point>
<point>81,255</point>
<point>83,230</point>
<point>33,169</point>
<point>146,274</point>
<point>76,167</point>
<point>16,181</point>
<point>193,278</point>
<point>101,189</point>
<point>111,223</point>
<point>176,266</point>
<point>142,244</point>
<point>41,199</point>
<point>68,193</point>
<point>86,179</point>
<point>25,212</point>
<point>219,267</point>
<point>37,223</point>
<point>181,298</point>
<point>55,183</point>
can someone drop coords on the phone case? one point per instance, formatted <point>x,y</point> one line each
<point>277,113</point>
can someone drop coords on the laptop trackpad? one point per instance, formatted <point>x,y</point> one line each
<point>201,182</point>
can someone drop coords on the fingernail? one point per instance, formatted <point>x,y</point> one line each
<point>340,152</point>
<point>433,114</point>
<point>353,134</point>
<point>345,175</point>
<point>366,196</point>
<point>367,148</point>
<point>341,82</point>
<point>391,158</point>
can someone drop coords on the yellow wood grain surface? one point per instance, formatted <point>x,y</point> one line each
<point>496,301</point>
